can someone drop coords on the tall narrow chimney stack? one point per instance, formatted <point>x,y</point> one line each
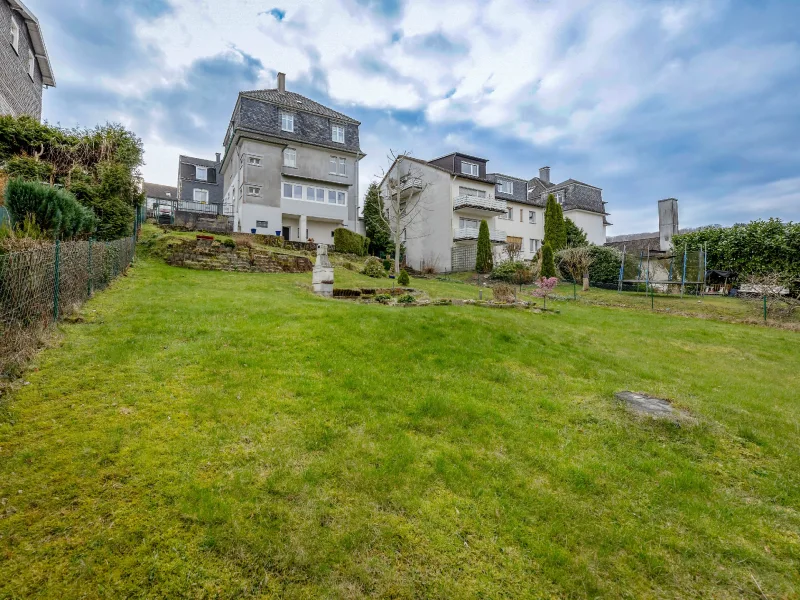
<point>281,82</point>
<point>219,156</point>
<point>544,174</point>
<point>667,222</point>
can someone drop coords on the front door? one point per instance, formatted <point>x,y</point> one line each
<point>286,233</point>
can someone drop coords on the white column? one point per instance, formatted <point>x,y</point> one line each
<point>303,227</point>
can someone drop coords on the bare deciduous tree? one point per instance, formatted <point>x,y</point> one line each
<point>513,250</point>
<point>403,189</point>
<point>775,290</point>
<point>576,262</point>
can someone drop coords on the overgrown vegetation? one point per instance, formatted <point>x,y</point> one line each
<point>755,248</point>
<point>97,166</point>
<point>514,271</point>
<point>350,242</point>
<point>606,262</point>
<point>484,260</point>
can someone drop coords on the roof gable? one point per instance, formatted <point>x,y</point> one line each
<point>37,41</point>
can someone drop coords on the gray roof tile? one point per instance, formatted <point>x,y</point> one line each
<point>297,102</point>
<point>156,190</point>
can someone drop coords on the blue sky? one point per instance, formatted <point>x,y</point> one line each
<point>693,99</point>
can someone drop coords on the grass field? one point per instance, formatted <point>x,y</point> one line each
<point>208,434</point>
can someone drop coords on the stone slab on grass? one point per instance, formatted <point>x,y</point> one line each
<point>650,406</point>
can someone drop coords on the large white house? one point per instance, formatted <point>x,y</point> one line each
<point>457,193</point>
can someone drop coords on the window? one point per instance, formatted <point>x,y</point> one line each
<point>201,196</point>
<point>255,161</point>
<point>331,196</point>
<point>532,217</point>
<point>201,174</point>
<point>14,35</point>
<point>560,197</point>
<point>320,195</point>
<point>341,198</point>
<point>287,122</point>
<point>292,191</point>
<point>534,246</point>
<point>253,190</point>
<point>465,191</point>
<point>521,212</point>
<point>468,223</point>
<point>290,157</point>
<point>510,214</point>
<point>31,64</point>
<point>262,224</point>
<point>337,133</point>
<point>505,187</point>
<point>338,166</point>
<point>469,168</point>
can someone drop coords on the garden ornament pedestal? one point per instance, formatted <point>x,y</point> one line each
<point>322,277</point>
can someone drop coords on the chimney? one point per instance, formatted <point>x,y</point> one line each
<point>667,222</point>
<point>281,82</point>
<point>544,174</point>
<point>219,156</point>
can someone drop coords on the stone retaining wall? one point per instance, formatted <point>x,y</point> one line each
<point>277,241</point>
<point>210,255</point>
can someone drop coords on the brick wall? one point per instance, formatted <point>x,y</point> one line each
<point>18,93</point>
<point>209,255</point>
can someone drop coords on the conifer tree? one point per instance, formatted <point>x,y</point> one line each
<point>548,264</point>
<point>555,230</point>
<point>483,260</point>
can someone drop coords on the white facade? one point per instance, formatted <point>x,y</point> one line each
<point>592,223</point>
<point>524,223</point>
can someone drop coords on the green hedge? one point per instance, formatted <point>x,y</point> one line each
<point>56,211</point>
<point>349,242</point>
<point>606,262</point>
<point>758,247</point>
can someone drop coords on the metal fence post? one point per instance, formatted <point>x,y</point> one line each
<point>765,308</point>
<point>56,278</point>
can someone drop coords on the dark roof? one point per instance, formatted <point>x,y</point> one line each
<point>156,190</point>
<point>297,102</point>
<point>201,162</point>
<point>459,154</point>
<point>520,188</point>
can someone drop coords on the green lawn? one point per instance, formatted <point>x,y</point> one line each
<point>208,434</point>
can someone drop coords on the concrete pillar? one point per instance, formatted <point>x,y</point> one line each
<point>303,228</point>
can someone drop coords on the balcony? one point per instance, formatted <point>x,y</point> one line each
<point>484,206</point>
<point>466,234</point>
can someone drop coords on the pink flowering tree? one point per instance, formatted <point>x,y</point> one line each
<point>544,288</point>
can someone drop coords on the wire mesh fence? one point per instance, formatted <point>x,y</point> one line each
<point>40,286</point>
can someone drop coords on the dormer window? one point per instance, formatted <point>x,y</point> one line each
<point>337,133</point>
<point>505,187</point>
<point>560,197</point>
<point>201,174</point>
<point>468,168</point>
<point>287,122</point>
<point>14,35</point>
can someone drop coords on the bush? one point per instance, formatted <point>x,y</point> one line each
<point>374,267</point>
<point>606,262</point>
<point>513,271</point>
<point>503,292</point>
<point>383,298</point>
<point>548,265</point>
<point>483,260</point>
<point>406,299</point>
<point>349,242</point>
<point>55,210</point>
<point>403,278</point>
<point>387,264</point>
<point>229,243</point>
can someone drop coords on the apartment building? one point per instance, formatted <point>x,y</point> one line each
<point>458,193</point>
<point>200,183</point>
<point>291,166</point>
<point>24,65</point>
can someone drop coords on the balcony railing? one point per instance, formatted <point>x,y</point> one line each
<point>471,233</point>
<point>489,204</point>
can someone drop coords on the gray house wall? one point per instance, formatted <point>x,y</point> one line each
<point>188,182</point>
<point>19,94</point>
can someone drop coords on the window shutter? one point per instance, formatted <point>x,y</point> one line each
<point>212,175</point>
